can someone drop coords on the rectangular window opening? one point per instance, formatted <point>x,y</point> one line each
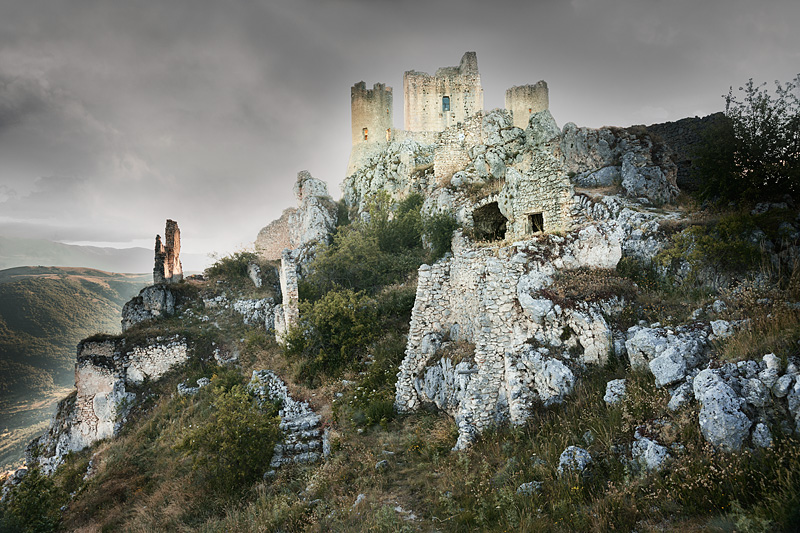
<point>535,222</point>
<point>364,133</point>
<point>445,103</point>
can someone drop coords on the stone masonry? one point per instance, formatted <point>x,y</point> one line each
<point>312,221</point>
<point>103,373</point>
<point>168,267</point>
<point>492,298</point>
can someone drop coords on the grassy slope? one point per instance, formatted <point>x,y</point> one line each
<point>141,482</point>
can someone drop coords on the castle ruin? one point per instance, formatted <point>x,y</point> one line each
<point>168,267</point>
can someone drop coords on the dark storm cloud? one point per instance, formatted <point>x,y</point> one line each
<point>117,115</point>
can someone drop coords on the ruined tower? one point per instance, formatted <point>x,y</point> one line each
<point>168,267</point>
<point>524,100</point>
<point>371,113</point>
<point>432,103</point>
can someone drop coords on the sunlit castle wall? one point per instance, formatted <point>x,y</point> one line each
<point>433,103</point>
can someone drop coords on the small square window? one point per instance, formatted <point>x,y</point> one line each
<point>445,103</point>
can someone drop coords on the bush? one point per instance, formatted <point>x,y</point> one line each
<point>756,153</point>
<point>332,332</point>
<point>438,230</point>
<point>33,505</point>
<point>233,448</point>
<point>367,255</point>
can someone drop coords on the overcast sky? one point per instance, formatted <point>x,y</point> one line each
<point>116,115</point>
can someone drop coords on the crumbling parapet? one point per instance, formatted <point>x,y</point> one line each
<point>168,267</point>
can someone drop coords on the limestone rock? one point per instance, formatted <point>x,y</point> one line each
<point>669,367</point>
<point>762,437</point>
<point>722,422</point>
<point>574,459</point>
<point>155,301</point>
<point>648,453</point>
<point>615,391</point>
<point>530,488</point>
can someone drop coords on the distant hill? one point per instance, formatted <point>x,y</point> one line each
<point>45,311</point>
<point>16,252</point>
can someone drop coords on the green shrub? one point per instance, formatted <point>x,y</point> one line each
<point>438,230</point>
<point>332,333</point>
<point>724,246</point>
<point>755,154</point>
<point>232,448</point>
<point>365,256</point>
<point>33,505</point>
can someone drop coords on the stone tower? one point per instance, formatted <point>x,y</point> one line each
<point>433,103</point>
<point>371,113</point>
<point>524,100</point>
<point>168,267</point>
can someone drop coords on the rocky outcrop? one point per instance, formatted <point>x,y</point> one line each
<point>528,349</point>
<point>155,301</point>
<point>631,158</point>
<point>168,267</point>
<point>312,221</point>
<point>104,372</point>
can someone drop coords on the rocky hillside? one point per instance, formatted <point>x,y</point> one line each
<point>549,338</point>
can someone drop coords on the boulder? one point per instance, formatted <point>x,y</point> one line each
<point>574,459</point>
<point>722,421</point>
<point>615,391</point>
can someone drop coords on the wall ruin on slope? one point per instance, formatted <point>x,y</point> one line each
<point>313,221</point>
<point>103,373</point>
<point>527,349</point>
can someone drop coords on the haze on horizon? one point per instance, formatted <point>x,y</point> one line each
<point>115,116</point>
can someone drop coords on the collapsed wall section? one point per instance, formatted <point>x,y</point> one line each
<point>528,349</point>
<point>104,375</point>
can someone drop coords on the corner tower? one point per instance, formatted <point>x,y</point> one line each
<point>371,113</point>
<point>525,100</point>
<point>433,103</point>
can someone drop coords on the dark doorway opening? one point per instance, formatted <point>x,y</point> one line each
<point>489,223</point>
<point>535,222</point>
<point>445,103</point>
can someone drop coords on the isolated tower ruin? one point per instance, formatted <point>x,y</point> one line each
<point>168,267</point>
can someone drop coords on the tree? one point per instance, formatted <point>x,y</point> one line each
<point>755,154</point>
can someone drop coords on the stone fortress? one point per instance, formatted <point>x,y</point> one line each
<point>533,203</point>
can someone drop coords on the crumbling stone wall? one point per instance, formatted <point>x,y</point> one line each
<point>103,372</point>
<point>313,221</point>
<point>168,267</point>
<point>155,301</point>
<point>524,100</point>
<point>274,237</point>
<point>424,105</point>
<point>683,136</point>
<point>492,299</point>
<point>453,146</point>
